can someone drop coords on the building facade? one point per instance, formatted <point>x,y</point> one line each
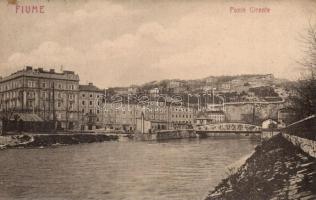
<point>57,97</point>
<point>91,100</point>
<point>209,117</point>
<point>124,116</point>
<point>50,95</point>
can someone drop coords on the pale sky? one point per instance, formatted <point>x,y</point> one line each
<point>119,43</point>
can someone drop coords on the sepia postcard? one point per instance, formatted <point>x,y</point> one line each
<point>157,99</point>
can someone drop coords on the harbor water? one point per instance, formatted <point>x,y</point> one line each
<point>183,169</point>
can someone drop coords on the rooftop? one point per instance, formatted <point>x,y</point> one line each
<point>90,87</point>
<point>42,73</point>
<point>206,115</point>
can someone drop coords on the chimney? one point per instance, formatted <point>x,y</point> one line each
<point>90,83</point>
<point>28,68</point>
<point>52,71</point>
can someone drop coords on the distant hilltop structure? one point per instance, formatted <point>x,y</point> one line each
<point>223,84</point>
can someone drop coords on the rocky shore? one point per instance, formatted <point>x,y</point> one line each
<point>276,170</point>
<point>45,140</point>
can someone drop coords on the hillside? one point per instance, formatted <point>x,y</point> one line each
<point>221,84</point>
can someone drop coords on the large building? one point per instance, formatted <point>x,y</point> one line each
<point>123,116</point>
<point>208,117</point>
<point>91,100</point>
<point>57,98</point>
<point>50,95</point>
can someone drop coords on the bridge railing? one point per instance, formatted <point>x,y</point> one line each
<point>238,127</point>
<point>305,128</point>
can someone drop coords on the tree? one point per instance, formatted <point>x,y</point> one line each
<point>304,99</point>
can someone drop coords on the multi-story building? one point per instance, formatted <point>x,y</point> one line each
<point>124,116</point>
<point>182,114</point>
<point>208,117</point>
<point>154,91</point>
<point>91,100</point>
<point>57,97</point>
<point>175,84</point>
<point>50,95</point>
<point>225,86</point>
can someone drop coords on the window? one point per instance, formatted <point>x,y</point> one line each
<point>31,83</point>
<point>90,103</point>
<point>83,102</point>
<point>59,86</point>
<point>43,85</point>
<point>71,96</point>
<point>83,95</point>
<point>59,104</point>
<point>71,106</point>
<point>29,94</point>
<point>30,104</point>
<point>91,95</point>
<point>43,94</point>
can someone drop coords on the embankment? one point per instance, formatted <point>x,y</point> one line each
<point>43,140</point>
<point>229,135</point>
<point>276,170</point>
<point>166,135</point>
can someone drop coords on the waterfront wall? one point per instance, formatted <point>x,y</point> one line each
<point>302,134</point>
<point>231,135</point>
<point>306,145</point>
<point>266,134</point>
<point>276,170</point>
<point>166,135</point>
<point>176,134</point>
<point>145,137</point>
<point>42,140</point>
